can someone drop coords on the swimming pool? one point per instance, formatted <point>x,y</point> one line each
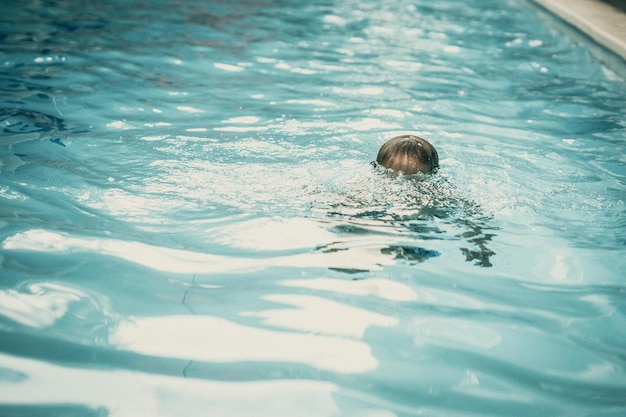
<point>191,226</point>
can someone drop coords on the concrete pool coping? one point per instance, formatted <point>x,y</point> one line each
<point>603,22</point>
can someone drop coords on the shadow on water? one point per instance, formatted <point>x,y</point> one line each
<point>29,110</point>
<point>409,214</point>
<point>18,121</point>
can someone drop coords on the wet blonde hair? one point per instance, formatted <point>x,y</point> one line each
<point>408,154</point>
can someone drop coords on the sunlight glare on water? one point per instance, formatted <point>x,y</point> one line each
<point>190,223</point>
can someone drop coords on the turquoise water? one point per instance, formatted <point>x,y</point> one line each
<point>191,226</point>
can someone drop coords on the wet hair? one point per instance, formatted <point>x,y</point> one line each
<point>408,154</point>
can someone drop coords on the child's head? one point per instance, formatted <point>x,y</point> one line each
<point>408,154</point>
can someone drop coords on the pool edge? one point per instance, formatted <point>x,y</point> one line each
<point>603,24</point>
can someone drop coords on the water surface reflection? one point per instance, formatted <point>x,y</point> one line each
<point>121,393</point>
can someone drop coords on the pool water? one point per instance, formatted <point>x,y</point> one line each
<point>190,224</point>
